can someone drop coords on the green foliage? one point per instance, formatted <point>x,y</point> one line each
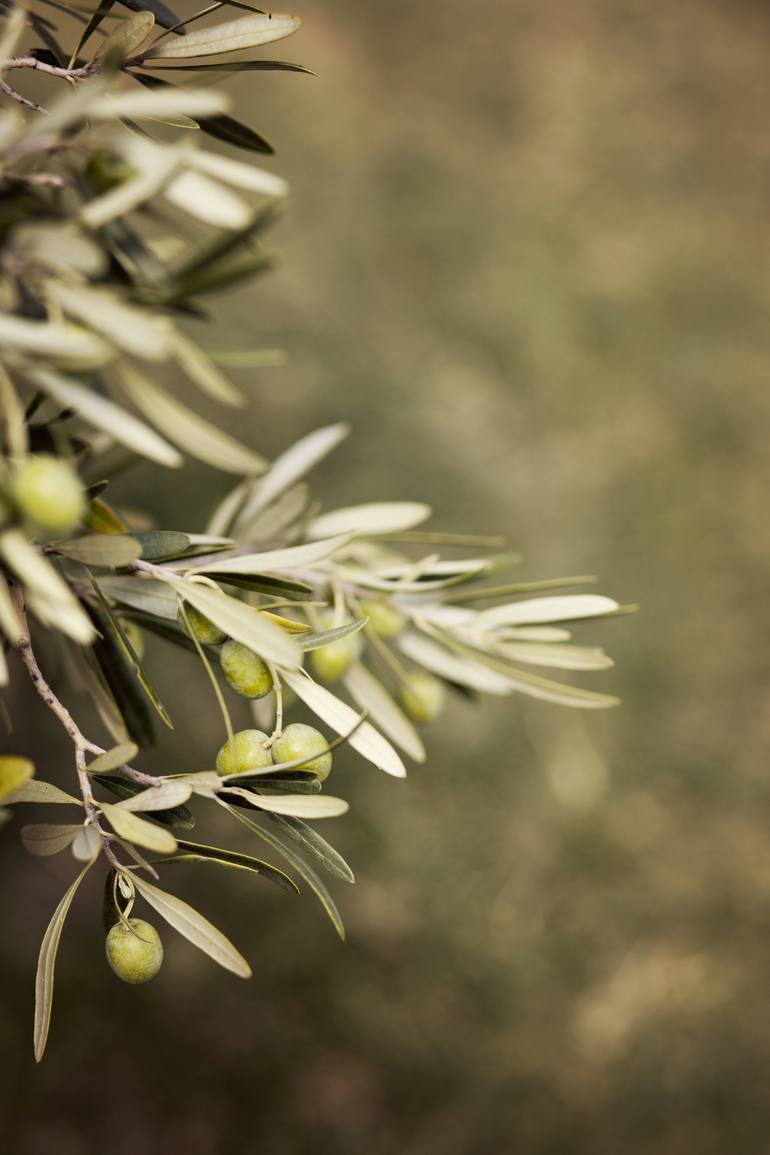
<point>116,228</point>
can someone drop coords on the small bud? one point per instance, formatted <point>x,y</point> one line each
<point>245,671</point>
<point>135,955</point>
<point>301,741</point>
<point>247,750</point>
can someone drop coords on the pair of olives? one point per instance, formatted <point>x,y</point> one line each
<point>47,494</point>
<point>244,670</point>
<point>251,750</point>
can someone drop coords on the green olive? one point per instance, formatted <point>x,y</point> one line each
<point>245,671</point>
<point>423,696</point>
<point>301,741</point>
<point>49,494</point>
<point>331,661</point>
<point>247,750</point>
<point>204,630</point>
<point>135,955</point>
<point>384,619</point>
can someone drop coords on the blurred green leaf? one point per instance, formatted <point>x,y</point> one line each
<point>44,839</point>
<point>162,544</point>
<point>113,551</point>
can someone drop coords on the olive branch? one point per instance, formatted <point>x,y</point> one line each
<point>361,616</point>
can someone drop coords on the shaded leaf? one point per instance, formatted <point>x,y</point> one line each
<point>44,839</point>
<point>178,817</point>
<point>162,544</point>
<point>36,790</point>
<point>315,845</point>
<point>201,853</point>
<point>194,927</point>
<point>46,964</point>
<point>303,869</point>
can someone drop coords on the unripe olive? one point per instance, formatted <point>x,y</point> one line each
<point>245,671</point>
<point>331,661</point>
<point>204,630</point>
<point>135,955</point>
<point>423,696</point>
<point>247,750</point>
<point>384,619</point>
<point>301,741</point>
<point>49,494</point>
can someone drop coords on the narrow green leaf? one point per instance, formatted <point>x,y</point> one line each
<point>38,791</point>
<point>200,853</point>
<point>189,431</point>
<point>241,622</point>
<point>127,37</point>
<point>110,550</point>
<point>303,869</point>
<point>106,415</point>
<point>46,966</point>
<point>162,544</point>
<point>232,36</point>
<point>295,805</point>
<point>178,817</point>
<point>44,839</point>
<point>374,518</point>
<point>165,796</point>
<point>136,829</point>
<point>194,927</point>
<point>315,845</point>
<point>112,759</point>
<point>371,695</point>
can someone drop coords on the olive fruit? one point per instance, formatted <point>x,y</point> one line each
<point>246,750</point>
<point>199,625</point>
<point>301,741</point>
<point>384,619</point>
<point>245,671</point>
<point>135,955</point>
<point>423,696</point>
<point>330,662</point>
<point>49,494</point>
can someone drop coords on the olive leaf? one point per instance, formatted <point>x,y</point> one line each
<point>538,611</point>
<point>164,796</point>
<point>295,805</point>
<point>342,718</point>
<point>303,869</point>
<point>112,551</point>
<point>298,556</point>
<point>194,927</point>
<point>314,844</point>
<point>43,838</point>
<point>232,36</point>
<point>371,695</point>
<point>35,790</point>
<point>241,622</point>
<point>189,431</point>
<point>142,593</point>
<point>178,817</point>
<point>126,38</point>
<point>196,852</point>
<point>162,544</point>
<point>46,965</point>
<point>374,518</point>
<point>105,415</point>
<point>136,829</point>
<point>47,593</point>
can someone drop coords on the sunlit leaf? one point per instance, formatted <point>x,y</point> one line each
<point>342,718</point>
<point>242,622</point>
<point>232,36</point>
<point>133,330</point>
<point>104,414</point>
<point>112,759</point>
<point>165,796</point>
<point>127,37</point>
<point>136,829</point>
<point>46,590</point>
<point>372,696</point>
<point>296,805</point>
<point>374,518</point>
<point>297,556</point>
<point>38,791</point>
<point>189,431</point>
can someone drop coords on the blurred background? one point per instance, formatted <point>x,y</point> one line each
<point>526,257</point>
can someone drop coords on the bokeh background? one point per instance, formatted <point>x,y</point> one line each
<point>526,257</point>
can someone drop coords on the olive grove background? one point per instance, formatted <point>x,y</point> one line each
<point>526,257</point>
